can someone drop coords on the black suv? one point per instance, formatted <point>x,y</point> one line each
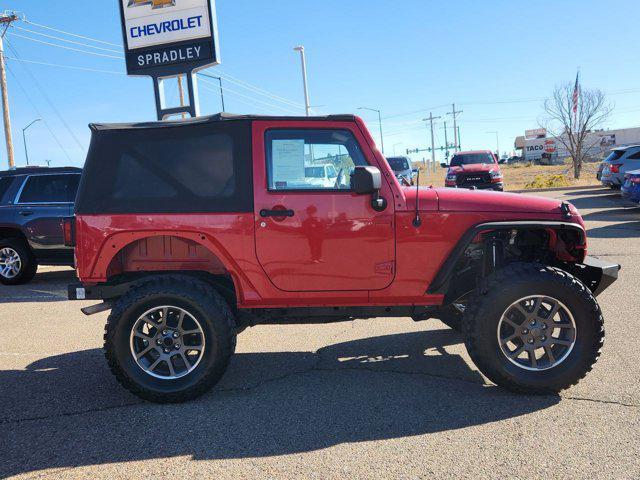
<point>33,203</point>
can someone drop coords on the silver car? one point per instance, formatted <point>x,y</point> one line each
<point>401,166</point>
<point>620,161</point>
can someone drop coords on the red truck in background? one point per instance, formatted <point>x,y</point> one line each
<point>191,231</point>
<point>475,169</point>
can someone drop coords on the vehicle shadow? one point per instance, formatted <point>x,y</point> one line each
<point>614,214</point>
<point>47,286</point>
<point>596,200</point>
<point>67,410</point>
<point>617,230</point>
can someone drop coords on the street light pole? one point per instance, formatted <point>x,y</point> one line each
<point>24,139</point>
<point>379,124</point>
<point>221,91</point>
<point>497,143</point>
<point>303,61</point>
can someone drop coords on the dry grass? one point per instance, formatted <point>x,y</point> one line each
<point>522,176</point>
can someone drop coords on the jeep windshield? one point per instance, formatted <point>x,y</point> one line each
<point>471,159</point>
<point>398,164</point>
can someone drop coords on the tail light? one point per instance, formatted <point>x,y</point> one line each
<point>615,167</point>
<point>69,231</point>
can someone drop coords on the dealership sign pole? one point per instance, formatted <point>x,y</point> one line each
<point>167,39</point>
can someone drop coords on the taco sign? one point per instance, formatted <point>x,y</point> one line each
<point>166,37</point>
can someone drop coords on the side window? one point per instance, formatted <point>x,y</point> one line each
<point>311,159</point>
<point>634,156</point>
<point>5,183</point>
<point>50,189</point>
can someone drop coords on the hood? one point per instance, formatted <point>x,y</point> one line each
<point>463,200</point>
<point>473,168</point>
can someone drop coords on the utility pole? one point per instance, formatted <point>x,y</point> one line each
<point>181,94</point>
<point>497,144</point>
<point>303,60</point>
<point>433,147</point>
<point>454,112</point>
<point>5,20</point>
<point>446,143</point>
<point>379,124</point>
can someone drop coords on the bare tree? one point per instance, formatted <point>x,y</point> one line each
<point>571,129</point>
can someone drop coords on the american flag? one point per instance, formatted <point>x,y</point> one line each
<point>576,95</point>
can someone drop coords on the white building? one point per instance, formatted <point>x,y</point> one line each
<point>537,146</point>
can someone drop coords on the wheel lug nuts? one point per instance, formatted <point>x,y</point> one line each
<point>532,323</point>
<point>543,338</point>
<point>166,350</point>
<point>177,345</point>
<point>159,342</point>
<point>544,326</point>
<point>530,340</point>
<point>176,334</point>
<point>164,332</point>
<point>525,330</point>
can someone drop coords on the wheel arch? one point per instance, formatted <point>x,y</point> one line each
<point>442,280</point>
<point>130,257</point>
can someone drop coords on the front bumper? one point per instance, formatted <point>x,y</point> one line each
<point>499,186</point>
<point>596,274</point>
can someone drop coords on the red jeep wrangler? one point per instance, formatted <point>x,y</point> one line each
<point>478,169</point>
<point>191,231</point>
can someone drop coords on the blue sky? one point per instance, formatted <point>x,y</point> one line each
<point>496,60</point>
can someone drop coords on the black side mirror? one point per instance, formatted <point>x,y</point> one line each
<point>365,180</point>
<point>444,165</point>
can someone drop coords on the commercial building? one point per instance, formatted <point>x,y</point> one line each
<point>540,147</point>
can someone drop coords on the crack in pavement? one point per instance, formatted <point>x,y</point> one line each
<point>313,368</point>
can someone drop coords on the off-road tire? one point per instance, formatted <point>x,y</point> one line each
<point>29,265</point>
<point>200,300</point>
<point>518,280</point>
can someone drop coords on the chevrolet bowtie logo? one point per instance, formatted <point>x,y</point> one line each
<point>154,3</point>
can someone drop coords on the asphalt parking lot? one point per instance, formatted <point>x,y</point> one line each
<point>364,399</point>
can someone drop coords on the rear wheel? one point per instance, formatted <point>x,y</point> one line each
<point>170,340</point>
<point>533,329</point>
<point>17,263</point>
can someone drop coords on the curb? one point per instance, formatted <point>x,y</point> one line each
<point>556,189</point>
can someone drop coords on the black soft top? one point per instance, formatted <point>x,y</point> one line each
<point>218,117</point>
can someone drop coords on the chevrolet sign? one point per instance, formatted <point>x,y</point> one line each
<point>164,37</point>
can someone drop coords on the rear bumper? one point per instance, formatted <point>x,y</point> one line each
<point>78,291</point>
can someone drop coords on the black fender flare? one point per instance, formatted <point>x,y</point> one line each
<point>440,283</point>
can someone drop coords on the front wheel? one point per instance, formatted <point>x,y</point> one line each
<point>170,339</point>
<point>533,329</point>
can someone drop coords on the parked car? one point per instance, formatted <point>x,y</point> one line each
<point>33,203</point>
<point>478,169</point>
<point>631,187</point>
<point>189,232</point>
<point>324,175</point>
<point>401,167</point>
<point>620,161</point>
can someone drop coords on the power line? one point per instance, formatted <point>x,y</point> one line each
<point>72,67</point>
<point>258,89</point>
<point>71,34</point>
<point>67,41</point>
<point>65,47</point>
<point>35,107</point>
<point>46,97</point>
<point>226,89</point>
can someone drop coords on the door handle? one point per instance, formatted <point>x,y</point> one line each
<point>25,213</point>
<point>276,213</point>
